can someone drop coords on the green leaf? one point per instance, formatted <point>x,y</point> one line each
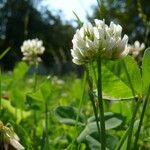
<point>111,141</point>
<point>68,115</point>
<point>90,129</point>
<point>20,113</point>
<point>17,97</point>
<point>37,98</point>
<point>112,121</point>
<point>134,73</point>
<point>111,98</point>
<point>115,81</point>
<point>20,70</point>
<point>123,108</point>
<point>93,144</point>
<point>46,90</point>
<point>106,97</point>
<point>146,70</point>
<point>33,103</point>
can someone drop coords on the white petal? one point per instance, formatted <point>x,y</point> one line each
<point>16,144</point>
<point>137,44</point>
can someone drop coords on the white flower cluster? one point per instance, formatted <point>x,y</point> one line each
<point>100,40</point>
<point>10,137</point>
<point>31,50</point>
<point>136,48</point>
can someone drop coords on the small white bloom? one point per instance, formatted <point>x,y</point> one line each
<point>31,50</point>
<point>136,48</point>
<point>102,40</point>
<point>10,137</point>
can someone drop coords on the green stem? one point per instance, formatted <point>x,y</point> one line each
<point>94,72</point>
<point>134,111</point>
<point>34,111</point>
<point>35,77</point>
<point>79,110</point>
<point>34,128</point>
<point>46,124</point>
<point>16,113</point>
<point>90,83</point>
<point>123,138</point>
<point>101,108</point>
<point>141,119</point>
<point>132,124</point>
<point>0,89</point>
<point>81,100</point>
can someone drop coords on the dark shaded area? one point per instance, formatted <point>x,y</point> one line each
<point>20,20</point>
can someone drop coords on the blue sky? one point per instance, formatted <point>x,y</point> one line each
<point>80,7</point>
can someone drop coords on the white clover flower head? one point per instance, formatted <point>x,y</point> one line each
<point>10,137</point>
<point>136,48</point>
<point>84,44</point>
<point>92,41</point>
<point>31,50</point>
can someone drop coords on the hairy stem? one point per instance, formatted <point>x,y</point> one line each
<point>90,83</point>
<point>101,108</point>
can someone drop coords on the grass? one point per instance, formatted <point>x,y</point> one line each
<point>53,133</point>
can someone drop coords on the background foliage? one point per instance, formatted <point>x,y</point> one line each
<point>22,19</point>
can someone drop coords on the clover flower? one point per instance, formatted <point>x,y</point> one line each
<point>136,48</point>
<point>98,40</point>
<point>31,50</point>
<point>10,137</point>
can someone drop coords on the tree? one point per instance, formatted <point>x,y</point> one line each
<point>22,20</point>
<point>125,12</point>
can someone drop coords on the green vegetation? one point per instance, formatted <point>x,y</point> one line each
<point>59,114</point>
<point>49,106</point>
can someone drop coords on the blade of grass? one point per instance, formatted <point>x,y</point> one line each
<point>1,56</point>
<point>4,53</point>
<point>34,111</point>
<point>141,119</point>
<point>123,138</point>
<point>46,124</point>
<point>134,111</point>
<point>78,19</point>
<point>0,89</point>
<point>79,110</point>
<point>90,83</point>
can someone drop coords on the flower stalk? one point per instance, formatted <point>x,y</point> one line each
<point>0,89</point>
<point>101,108</point>
<point>34,111</point>
<point>132,124</point>
<point>79,110</point>
<point>91,96</point>
<point>123,138</point>
<point>35,77</point>
<point>93,42</point>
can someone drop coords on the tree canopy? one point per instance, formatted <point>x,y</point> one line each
<point>128,14</point>
<point>20,20</point>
